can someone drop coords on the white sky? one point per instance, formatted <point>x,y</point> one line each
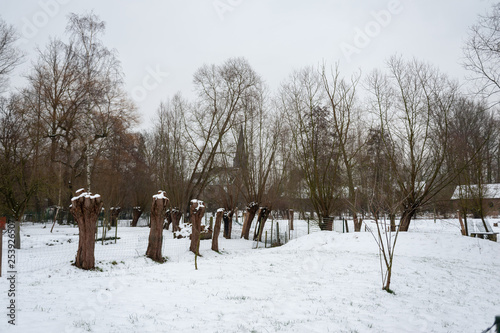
<point>177,37</point>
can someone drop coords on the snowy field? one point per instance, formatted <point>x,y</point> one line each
<point>321,282</point>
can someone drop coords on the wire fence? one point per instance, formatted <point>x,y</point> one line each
<point>42,249</point>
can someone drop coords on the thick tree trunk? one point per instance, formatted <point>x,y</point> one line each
<point>85,208</point>
<point>228,223</point>
<point>404,223</point>
<point>290,217</point>
<point>114,212</point>
<point>136,214</point>
<point>196,212</point>
<point>392,217</point>
<point>215,236</point>
<point>249,216</point>
<point>158,209</point>
<point>261,221</point>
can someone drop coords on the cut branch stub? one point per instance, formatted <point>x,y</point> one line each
<point>158,209</point>
<point>85,209</point>
<point>197,210</point>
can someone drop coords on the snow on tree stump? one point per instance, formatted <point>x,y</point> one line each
<point>136,214</point>
<point>215,236</point>
<point>197,210</point>
<point>249,216</point>
<point>158,209</point>
<point>85,209</point>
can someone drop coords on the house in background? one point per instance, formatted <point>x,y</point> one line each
<point>473,199</point>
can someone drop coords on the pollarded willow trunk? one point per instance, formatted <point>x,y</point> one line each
<point>261,221</point>
<point>136,214</point>
<point>85,209</point>
<point>158,209</point>
<point>215,236</point>
<point>176,215</point>
<point>228,223</point>
<point>249,216</point>
<point>196,211</point>
<point>168,217</point>
<point>114,213</point>
<point>404,223</point>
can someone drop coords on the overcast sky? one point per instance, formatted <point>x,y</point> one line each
<point>161,43</point>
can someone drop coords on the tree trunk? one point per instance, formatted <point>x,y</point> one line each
<point>136,214</point>
<point>228,223</point>
<point>158,209</point>
<point>357,222</point>
<point>85,209</point>
<point>176,218</point>
<point>290,217</point>
<point>392,217</point>
<point>261,221</point>
<point>196,212</point>
<point>404,223</point>
<point>215,236</point>
<point>249,216</point>
<point>114,213</point>
<point>168,217</point>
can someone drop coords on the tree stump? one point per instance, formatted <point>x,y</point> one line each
<point>261,221</point>
<point>85,208</point>
<point>228,223</point>
<point>196,212</point>
<point>215,236</point>
<point>158,209</point>
<point>136,214</point>
<point>114,213</point>
<point>176,216</point>
<point>249,216</point>
<point>168,217</point>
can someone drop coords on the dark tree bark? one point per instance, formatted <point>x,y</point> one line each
<point>136,214</point>
<point>290,217</point>
<point>261,221</point>
<point>249,216</point>
<point>176,216</point>
<point>228,224</point>
<point>196,211</point>
<point>114,212</point>
<point>85,208</point>
<point>168,217</point>
<point>158,209</point>
<point>215,236</point>
<point>358,222</point>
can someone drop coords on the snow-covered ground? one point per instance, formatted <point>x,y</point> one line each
<point>322,282</point>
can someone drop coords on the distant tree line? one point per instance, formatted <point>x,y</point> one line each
<point>393,142</point>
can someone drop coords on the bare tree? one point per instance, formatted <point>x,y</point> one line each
<point>482,55</point>
<point>413,103</point>
<point>341,96</point>
<point>314,142</point>
<point>10,56</point>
